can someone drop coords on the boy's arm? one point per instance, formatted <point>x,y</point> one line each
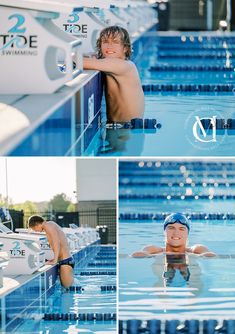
<point>54,240</point>
<point>108,65</point>
<point>202,250</point>
<point>148,251</point>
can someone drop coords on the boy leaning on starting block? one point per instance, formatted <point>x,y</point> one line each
<point>123,91</point>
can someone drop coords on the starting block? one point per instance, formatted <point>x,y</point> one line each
<point>25,255</point>
<point>42,241</point>
<point>32,46</point>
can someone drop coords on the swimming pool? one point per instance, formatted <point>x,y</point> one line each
<point>187,287</point>
<point>88,307</point>
<point>184,75</point>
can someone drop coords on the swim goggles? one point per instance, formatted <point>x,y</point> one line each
<point>176,218</point>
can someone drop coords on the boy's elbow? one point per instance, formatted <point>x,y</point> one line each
<point>139,254</point>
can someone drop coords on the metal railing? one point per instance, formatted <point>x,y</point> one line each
<point>89,218</point>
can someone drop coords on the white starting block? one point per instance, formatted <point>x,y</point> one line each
<point>4,260</point>
<point>86,235</point>
<point>42,240</point>
<point>113,18</point>
<point>85,24</point>
<point>32,47</point>
<point>73,240</point>
<point>120,9</point>
<point>25,255</point>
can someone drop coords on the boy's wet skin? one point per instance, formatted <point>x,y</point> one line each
<point>176,227</point>
<point>123,91</point>
<point>59,244</point>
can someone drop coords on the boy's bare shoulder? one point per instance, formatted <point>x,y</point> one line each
<point>198,249</point>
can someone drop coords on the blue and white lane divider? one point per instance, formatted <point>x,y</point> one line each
<point>97,273</point>
<point>173,196</point>
<point>198,55</point>
<point>193,326</point>
<point>188,88</point>
<point>78,288</point>
<point>197,68</point>
<point>221,123</point>
<point>80,316</point>
<point>135,123</point>
<point>191,216</point>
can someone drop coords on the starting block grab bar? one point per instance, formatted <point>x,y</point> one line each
<point>31,48</point>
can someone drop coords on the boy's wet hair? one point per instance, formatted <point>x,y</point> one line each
<point>35,220</point>
<point>113,32</point>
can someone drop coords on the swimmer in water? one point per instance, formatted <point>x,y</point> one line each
<point>176,227</point>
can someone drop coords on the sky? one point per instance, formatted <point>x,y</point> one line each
<point>37,179</point>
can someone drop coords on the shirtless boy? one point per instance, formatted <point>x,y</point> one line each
<point>59,245</point>
<point>176,227</point>
<point>123,91</point>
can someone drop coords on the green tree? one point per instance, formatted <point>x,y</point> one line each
<point>72,207</point>
<point>27,207</point>
<point>60,202</point>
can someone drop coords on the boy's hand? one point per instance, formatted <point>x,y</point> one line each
<point>90,55</point>
<point>51,262</point>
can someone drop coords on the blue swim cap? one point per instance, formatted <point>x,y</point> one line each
<point>176,218</point>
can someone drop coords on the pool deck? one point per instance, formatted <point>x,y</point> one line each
<point>10,283</point>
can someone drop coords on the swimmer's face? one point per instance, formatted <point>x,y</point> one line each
<point>176,235</point>
<point>112,47</point>
<point>37,228</point>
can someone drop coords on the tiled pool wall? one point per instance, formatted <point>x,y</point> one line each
<point>76,121</point>
<point>25,301</point>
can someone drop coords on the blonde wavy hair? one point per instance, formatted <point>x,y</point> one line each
<point>113,32</point>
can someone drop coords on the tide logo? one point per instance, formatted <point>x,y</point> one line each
<point>16,37</point>
<point>16,251</point>
<point>72,25</point>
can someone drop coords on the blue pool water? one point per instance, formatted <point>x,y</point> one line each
<point>89,300</point>
<point>186,287</point>
<point>146,294</point>
<point>174,107</point>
